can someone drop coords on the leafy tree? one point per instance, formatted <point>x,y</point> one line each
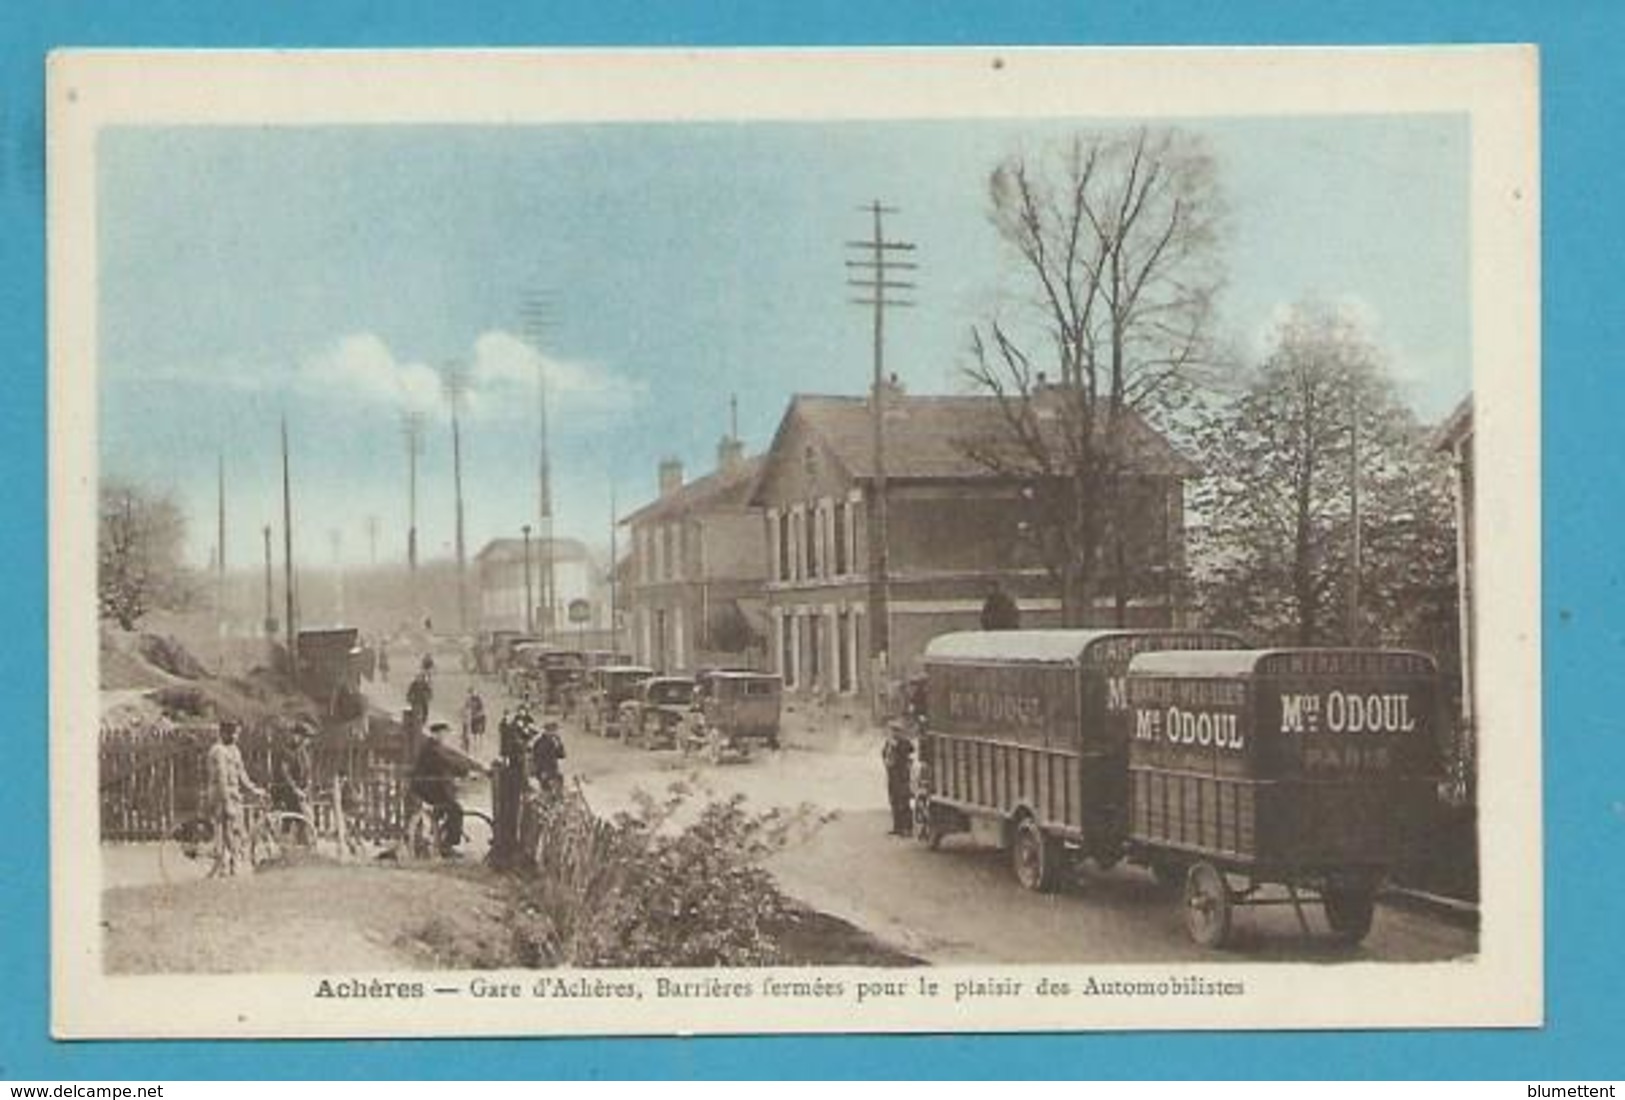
<point>1114,244</point>
<point>1275,549</point>
<point>140,536</point>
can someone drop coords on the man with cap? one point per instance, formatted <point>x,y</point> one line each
<point>435,772</point>
<point>226,781</point>
<point>291,773</point>
<point>546,750</point>
<point>898,754</point>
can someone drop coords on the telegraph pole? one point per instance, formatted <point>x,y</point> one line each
<point>530,601</point>
<point>335,539</point>
<point>456,384</point>
<point>536,318</point>
<point>220,562</point>
<point>270,600</point>
<point>287,559</point>
<point>614,564</point>
<point>372,539</point>
<point>412,430</point>
<point>878,258</point>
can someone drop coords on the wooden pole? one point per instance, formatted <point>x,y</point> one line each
<point>287,559</point>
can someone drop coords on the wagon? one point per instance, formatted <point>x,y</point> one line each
<point>1026,747</point>
<point>1309,769</point>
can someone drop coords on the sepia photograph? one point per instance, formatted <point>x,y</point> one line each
<point>638,542</point>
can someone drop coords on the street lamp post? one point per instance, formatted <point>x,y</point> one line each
<point>530,605</point>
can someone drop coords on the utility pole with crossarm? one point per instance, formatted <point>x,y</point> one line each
<point>878,258</point>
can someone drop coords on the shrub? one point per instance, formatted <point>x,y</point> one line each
<point>672,882</point>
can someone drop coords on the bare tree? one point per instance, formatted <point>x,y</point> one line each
<point>140,540</point>
<point>1115,240</point>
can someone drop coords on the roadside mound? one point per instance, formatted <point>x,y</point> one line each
<point>309,917</point>
<point>161,670</point>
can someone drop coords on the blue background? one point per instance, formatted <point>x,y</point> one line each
<point>1583,88</point>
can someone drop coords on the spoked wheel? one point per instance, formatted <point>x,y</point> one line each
<point>1349,910</point>
<point>1207,905</point>
<point>1035,857</point>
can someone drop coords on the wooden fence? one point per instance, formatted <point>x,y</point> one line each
<point>152,777</point>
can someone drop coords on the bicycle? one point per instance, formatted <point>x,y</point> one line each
<point>259,844</point>
<point>427,832</point>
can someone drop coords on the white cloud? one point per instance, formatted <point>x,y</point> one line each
<point>361,367</point>
<point>501,379</point>
<point>504,380</point>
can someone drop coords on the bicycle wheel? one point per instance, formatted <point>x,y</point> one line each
<point>263,845</point>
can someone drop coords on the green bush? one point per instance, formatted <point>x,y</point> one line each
<point>675,881</point>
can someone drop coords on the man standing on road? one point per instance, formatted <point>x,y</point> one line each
<point>545,753</point>
<point>418,697</point>
<point>473,718</point>
<point>898,755</point>
<point>226,779</point>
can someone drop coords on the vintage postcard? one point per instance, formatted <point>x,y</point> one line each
<point>664,542</point>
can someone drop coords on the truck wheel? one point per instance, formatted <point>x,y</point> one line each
<point>1349,910</point>
<point>1207,905</point>
<point>1035,857</point>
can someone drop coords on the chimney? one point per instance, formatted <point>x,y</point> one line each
<point>671,475</point>
<point>730,453</point>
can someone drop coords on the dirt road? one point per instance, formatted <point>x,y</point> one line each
<point>961,904</point>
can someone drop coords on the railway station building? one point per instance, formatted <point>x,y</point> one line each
<point>956,531</point>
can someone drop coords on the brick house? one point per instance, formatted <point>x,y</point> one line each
<point>956,529</point>
<point>696,569</point>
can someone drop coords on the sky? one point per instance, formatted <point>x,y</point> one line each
<point>330,275</point>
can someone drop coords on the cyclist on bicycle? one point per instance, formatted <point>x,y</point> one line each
<point>292,770</point>
<point>435,772</point>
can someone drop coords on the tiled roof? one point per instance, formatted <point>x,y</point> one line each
<point>719,489</point>
<point>940,437</point>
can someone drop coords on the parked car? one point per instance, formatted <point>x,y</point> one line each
<point>737,711</point>
<point>607,688</point>
<point>656,716</point>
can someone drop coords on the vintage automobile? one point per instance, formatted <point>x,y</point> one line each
<point>491,648</point>
<point>1026,748</point>
<point>608,686</point>
<point>736,711</point>
<point>522,671</point>
<point>657,714</point>
<point>559,676</point>
<point>1312,770</point>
